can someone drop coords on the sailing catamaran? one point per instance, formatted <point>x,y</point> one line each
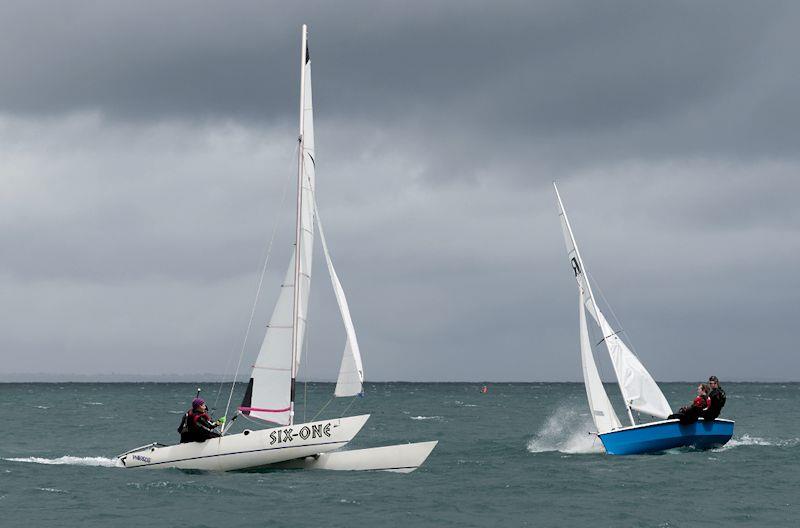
<point>270,393</point>
<point>639,390</point>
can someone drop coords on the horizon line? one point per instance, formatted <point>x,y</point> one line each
<point>23,378</point>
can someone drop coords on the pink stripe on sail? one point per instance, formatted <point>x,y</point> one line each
<point>258,409</point>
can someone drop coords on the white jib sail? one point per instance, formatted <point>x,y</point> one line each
<point>351,370</point>
<point>605,419</point>
<point>637,385</point>
<point>638,388</point>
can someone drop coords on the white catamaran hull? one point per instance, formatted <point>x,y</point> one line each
<point>249,449</point>
<point>401,458</point>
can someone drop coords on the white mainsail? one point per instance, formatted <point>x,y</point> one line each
<point>270,394</point>
<point>639,389</point>
<point>605,419</point>
<point>351,371</point>
<point>305,229</point>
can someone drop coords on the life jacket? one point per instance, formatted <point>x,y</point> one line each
<point>199,422</point>
<point>701,402</point>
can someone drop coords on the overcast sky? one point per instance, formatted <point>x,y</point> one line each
<point>145,148</point>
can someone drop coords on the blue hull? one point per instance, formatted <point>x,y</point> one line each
<point>667,434</point>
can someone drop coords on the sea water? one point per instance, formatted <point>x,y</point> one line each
<point>520,455</point>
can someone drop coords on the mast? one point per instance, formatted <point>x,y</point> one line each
<point>580,269</point>
<point>298,226</point>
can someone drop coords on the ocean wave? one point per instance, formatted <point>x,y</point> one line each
<point>427,418</point>
<point>747,440</point>
<point>566,431</point>
<point>169,487</point>
<point>69,461</point>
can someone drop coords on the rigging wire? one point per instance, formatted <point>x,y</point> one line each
<point>614,315</point>
<point>323,408</point>
<point>352,401</point>
<point>277,225</point>
<point>594,346</point>
<point>306,346</point>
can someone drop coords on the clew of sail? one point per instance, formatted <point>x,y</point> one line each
<point>351,370</point>
<point>605,419</point>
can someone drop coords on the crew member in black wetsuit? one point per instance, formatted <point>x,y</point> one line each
<point>690,413</point>
<point>717,399</point>
<point>196,425</point>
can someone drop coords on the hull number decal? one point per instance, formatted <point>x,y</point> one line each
<point>283,436</point>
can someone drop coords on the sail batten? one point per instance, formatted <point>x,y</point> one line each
<point>271,378</point>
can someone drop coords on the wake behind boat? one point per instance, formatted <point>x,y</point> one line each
<point>639,390</point>
<point>270,393</point>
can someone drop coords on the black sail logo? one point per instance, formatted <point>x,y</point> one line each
<point>575,267</point>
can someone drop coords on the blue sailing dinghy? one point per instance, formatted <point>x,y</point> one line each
<point>639,390</point>
<point>667,434</point>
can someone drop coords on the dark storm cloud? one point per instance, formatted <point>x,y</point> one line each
<point>608,79</point>
<point>144,149</point>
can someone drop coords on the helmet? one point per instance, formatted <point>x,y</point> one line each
<point>197,402</point>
